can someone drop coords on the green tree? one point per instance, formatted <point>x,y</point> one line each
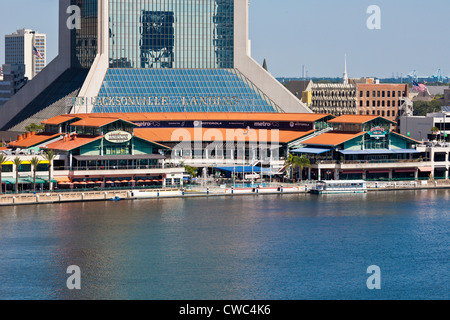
<point>302,163</point>
<point>17,162</point>
<point>49,155</point>
<point>293,162</point>
<point>35,127</point>
<point>191,171</point>
<point>34,164</point>
<point>3,159</point>
<point>435,131</point>
<point>421,108</point>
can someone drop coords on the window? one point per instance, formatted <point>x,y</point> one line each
<point>360,103</point>
<point>389,103</point>
<point>393,94</point>
<point>378,94</point>
<point>389,113</point>
<point>393,103</point>
<point>368,94</point>
<point>367,103</point>
<point>382,113</point>
<point>388,94</point>
<point>382,103</point>
<point>393,113</point>
<point>383,94</point>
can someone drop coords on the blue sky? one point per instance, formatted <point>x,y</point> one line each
<point>317,34</point>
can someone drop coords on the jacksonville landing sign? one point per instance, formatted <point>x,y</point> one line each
<point>145,101</point>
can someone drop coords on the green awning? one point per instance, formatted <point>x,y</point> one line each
<point>45,180</point>
<point>8,181</point>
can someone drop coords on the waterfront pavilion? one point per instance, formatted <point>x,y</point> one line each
<point>363,147</point>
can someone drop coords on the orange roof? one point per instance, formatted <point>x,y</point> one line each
<point>34,140</point>
<point>359,119</point>
<point>97,122</point>
<point>71,143</point>
<point>332,138</point>
<point>3,148</point>
<point>239,135</point>
<point>142,135</point>
<point>59,119</point>
<point>192,116</point>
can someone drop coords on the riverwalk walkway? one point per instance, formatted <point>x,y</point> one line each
<point>118,195</point>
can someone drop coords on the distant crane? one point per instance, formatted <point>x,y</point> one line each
<point>438,77</point>
<point>413,76</point>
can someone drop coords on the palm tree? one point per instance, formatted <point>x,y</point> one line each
<point>289,164</point>
<point>49,155</point>
<point>34,165</point>
<point>435,130</point>
<point>3,159</point>
<point>302,163</point>
<point>17,162</point>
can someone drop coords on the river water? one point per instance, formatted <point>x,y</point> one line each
<point>269,247</point>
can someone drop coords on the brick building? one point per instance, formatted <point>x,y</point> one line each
<point>384,100</point>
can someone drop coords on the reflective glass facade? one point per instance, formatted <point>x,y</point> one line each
<point>172,34</point>
<point>173,90</point>
<point>84,40</point>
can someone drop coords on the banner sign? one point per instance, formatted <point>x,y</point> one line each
<point>292,126</point>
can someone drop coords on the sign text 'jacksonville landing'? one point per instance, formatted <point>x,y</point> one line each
<point>156,101</point>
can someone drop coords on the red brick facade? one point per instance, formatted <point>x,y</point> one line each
<point>381,99</point>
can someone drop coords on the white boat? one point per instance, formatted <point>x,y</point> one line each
<point>340,186</point>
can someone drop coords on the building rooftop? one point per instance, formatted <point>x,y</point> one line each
<point>98,122</point>
<point>32,140</point>
<point>357,119</point>
<point>73,142</point>
<point>332,139</point>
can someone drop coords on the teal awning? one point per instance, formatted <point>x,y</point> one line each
<point>380,151</point>
<point>8,181</point>
<point>311,150</point>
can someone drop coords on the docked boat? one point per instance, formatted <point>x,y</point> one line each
<point>340,186</point>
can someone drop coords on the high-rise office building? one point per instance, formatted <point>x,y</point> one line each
<point>12,80</point>
<point>26,47</point>
<point>152,56</point>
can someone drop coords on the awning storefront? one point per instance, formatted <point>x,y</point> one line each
<point>8,181</point>
<point>122,157</point>
<point>379,171</point>
<point>247,169</point>
<point>426,169</point>
<point>382,151</point>
<point>352,172</point>
<point>405,170</point>
<point>311,150</point>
